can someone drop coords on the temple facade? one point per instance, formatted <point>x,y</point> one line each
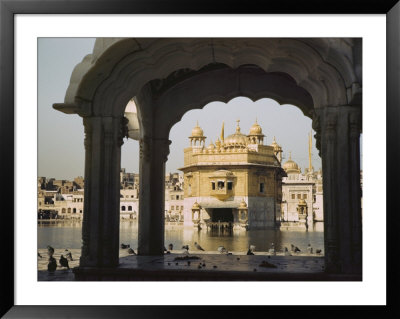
<point>302,200</point>
<point>236,182</point>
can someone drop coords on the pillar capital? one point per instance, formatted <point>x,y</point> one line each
<point>154,148</point>
<point>161,146</point>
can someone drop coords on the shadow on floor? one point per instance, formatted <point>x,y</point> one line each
<point>205,267</point>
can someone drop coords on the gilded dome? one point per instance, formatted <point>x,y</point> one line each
<point>197,131</point>
<point>242,204</point>
<point>255,129</point>
<point>302,202</point>
<point>275,145</point>
<point>290,166</point>
<point>211,146</point>
<point>195,206</point>
<point>236,140</point>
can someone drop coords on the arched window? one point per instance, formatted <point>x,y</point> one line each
<point>69,210</point>
<point>123,208</point>
<point>74,210</point>
<point>130,208</point>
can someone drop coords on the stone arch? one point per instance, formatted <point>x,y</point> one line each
<point>105,80</point>
<point>223,85</point>
<point>321,76</point>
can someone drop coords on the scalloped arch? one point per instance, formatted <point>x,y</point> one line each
<point>121,67</point>
<point>224,85</point>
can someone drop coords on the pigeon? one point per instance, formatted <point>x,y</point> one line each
<point>296,249</point>
<point>198,246</point>
<point>69,256</point>
<point>222,249</point>
<point>251,249</point>
<point>165,249</point>
<point>39,255</point>
<point>186,247</point>
<point>286,252</point>
<point>50,251</point>
<point>131,251</point>
<point>125,246</point>
<point>170,247</point>
<point>52,265</point>
<point>272,249</point>
<point>318,251</point>
<point>291,247</point>
<point>64,262</point>
<point>309,249</point>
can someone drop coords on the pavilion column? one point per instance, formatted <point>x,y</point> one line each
<point>153,156</point>
<point>100,228</point>
<point>340,150</point>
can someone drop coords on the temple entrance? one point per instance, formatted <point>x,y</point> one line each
<point>222,215</point>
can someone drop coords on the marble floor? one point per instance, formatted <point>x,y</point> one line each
<point>202,264</point>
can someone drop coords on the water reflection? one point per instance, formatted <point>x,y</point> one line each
<point>68,234</point>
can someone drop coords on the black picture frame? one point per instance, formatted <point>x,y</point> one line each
<point>8,10</point>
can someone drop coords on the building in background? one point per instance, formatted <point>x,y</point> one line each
<point>238,181</point>
<point>174,201</point>
<point>60,199</point>
<point>234,183</point>
<point>302,200</point>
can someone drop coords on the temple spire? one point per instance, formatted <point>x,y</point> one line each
<point>238,127</point>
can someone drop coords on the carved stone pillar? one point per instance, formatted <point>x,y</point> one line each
<point>153,155</point>
<point>100,228</point>
<point>355,190</point>
<point>340,132</point>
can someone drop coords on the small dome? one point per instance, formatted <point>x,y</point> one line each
<point>211,146</point>
<point>195,206</point>
<point>275,145</point>
<point>236,140</point>
<point>290,166</point>
<point>256,129</point>
<point>197,131</point>
<point>302,202</point>
<point>242,204</point>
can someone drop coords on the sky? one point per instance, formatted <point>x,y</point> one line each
<point>60,136</point>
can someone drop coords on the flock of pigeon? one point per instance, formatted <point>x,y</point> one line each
<point>223,250</point>
<point>52,265</point>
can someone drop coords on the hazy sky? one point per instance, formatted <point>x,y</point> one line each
<point>60,136</point>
